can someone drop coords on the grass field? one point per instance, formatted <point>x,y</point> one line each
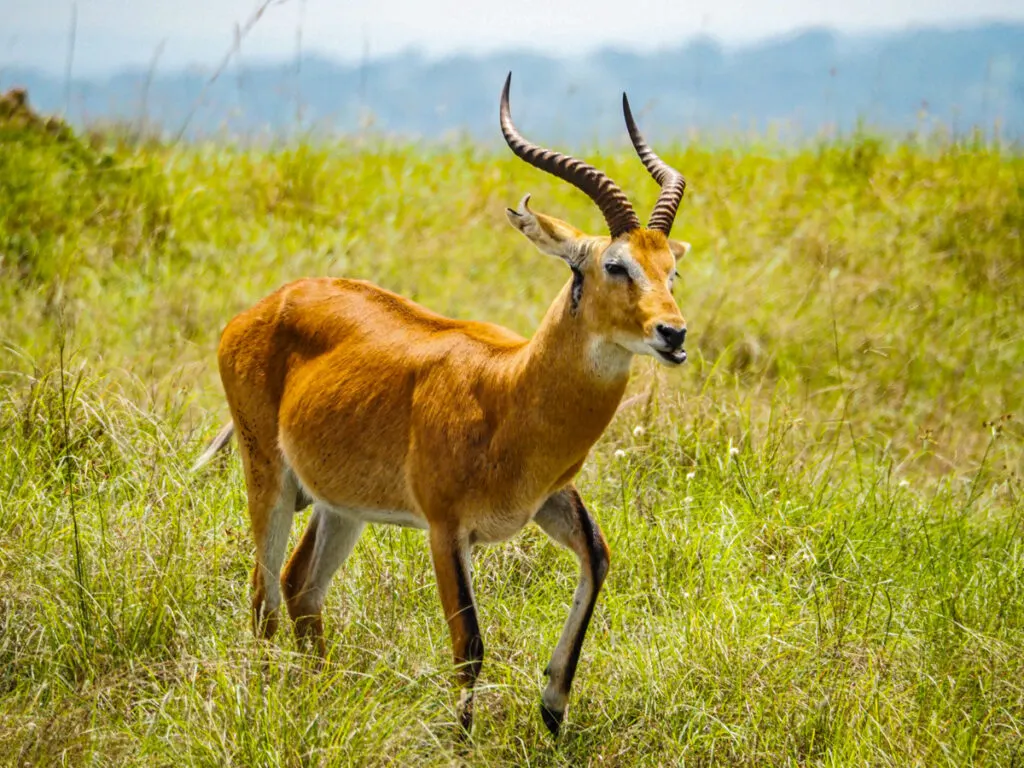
<point>815,524</point>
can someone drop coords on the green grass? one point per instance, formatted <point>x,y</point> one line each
<point>816,524</point>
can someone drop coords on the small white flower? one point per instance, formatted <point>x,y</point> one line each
<point>904,483</point>
<point>690,475</point>
<point>688,500</point>
<point>639,431</point>
<point>620,454</point>
<point>771,557</point>
<point>734,451</point>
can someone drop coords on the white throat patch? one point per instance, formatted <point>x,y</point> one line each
<point>608,360</point>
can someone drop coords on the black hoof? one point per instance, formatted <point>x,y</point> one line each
<point>552,719</point>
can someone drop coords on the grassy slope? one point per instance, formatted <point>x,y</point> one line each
<point>815,525</point>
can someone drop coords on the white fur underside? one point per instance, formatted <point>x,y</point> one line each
<point>399,517</point>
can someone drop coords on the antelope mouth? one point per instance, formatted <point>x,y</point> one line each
<point>672,356</point>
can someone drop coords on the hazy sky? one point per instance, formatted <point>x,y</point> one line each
<point>115,33</point>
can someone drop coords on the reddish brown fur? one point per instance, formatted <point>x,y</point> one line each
<point>372,402</point>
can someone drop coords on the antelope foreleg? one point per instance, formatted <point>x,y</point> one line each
<point>452,568</point>
<point>564,518</point>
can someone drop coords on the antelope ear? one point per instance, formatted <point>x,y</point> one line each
<point>679,248</point>
<point>550,235</point>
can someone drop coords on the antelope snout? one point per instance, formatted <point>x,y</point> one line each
<point>672,335</point>
<point>666,341</point>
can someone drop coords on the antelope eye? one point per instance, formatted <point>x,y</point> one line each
<point>615,269</point>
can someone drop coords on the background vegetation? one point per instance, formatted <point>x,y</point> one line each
<point>793,85</point>
<point>815,524</point>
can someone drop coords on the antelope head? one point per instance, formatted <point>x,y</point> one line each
<point>622,283</point>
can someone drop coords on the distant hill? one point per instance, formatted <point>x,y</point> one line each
<point>794,86</point>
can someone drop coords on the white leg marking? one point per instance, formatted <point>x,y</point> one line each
<point>556,694</point>
<point>336,536</point>
<point>564,518</point>
<point>271,556</point>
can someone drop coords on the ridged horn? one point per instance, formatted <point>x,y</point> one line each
<point>596,185</point>
<point>672,182</point>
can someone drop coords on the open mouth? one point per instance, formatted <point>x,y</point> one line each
<point>673,356</point>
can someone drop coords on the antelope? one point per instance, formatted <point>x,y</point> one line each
<point>374,409</point>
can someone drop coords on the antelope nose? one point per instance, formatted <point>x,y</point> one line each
<point>672,336</point>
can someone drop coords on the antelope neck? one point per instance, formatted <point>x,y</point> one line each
<point>572,372</point>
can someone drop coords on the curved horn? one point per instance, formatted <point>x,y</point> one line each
<point>596,185</point>
<point>672,182</point>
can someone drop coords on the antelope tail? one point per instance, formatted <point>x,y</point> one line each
<point>221,442</point>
